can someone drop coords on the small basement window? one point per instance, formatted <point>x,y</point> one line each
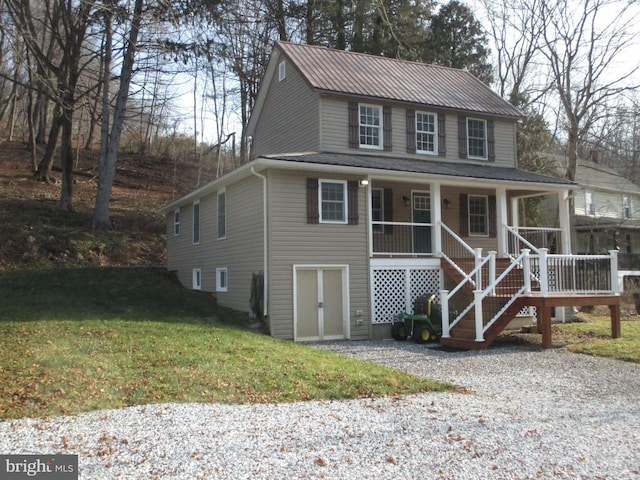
<point>222,279</point>
<point>197,279</point>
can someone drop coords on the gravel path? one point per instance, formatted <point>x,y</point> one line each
<point>530,414</point>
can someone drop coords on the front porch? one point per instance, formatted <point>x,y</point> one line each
<point>489,268</point>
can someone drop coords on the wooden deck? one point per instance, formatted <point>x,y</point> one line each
<point>545,304</point>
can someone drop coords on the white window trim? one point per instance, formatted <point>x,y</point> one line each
<point>627,204</point>
<point>345,202</point>
<point>589,204</point>
<point>222,272</point>
<point>221,192</point>
<point>282,70</point>
<point>380,146</point>
<point>486,140</point>
<point>176,222</point>
<point>193,220</point>
<point>196,279</point>
<point>486,215</point>
<point>435,133</point>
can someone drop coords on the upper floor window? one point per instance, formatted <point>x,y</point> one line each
<point>590,206</point>
<point>222,215</point>
<point>477,138</point>
<point>627,209</point>
<point>426,133</point>
<point>478,215</point>
<point>176,222</point>
<point>282,71</point>
<point>370,126</point>
<point>333,205</point>
<point>196,221</point>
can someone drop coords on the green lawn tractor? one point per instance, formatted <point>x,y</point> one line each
<point>424,325</point>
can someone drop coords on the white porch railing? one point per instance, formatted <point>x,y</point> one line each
<point>532,238</point>
<point>552,274</point>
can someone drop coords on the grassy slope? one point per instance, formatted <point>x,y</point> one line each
<point>80,339</point>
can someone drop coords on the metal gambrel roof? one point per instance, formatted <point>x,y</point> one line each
<point>357,74</point>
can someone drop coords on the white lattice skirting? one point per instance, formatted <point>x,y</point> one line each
<point>395,288</point>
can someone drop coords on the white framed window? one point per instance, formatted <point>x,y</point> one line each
<point>426,133</point>
<point>377,209</point>
<point>282,71</point>
<point>333,201</point>
<point>477,138</point>
<point>590,206</point>
<point>222,279</point>
<point>478,215</point>
<point>197,279</point>
<point>222,215</point>
<point>176,222</point>
<point>370,126</point>
<point>196,222</point>
<point>627,207</point>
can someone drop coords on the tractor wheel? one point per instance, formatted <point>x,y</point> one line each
<point>398,331</point>
<point>422,334</point>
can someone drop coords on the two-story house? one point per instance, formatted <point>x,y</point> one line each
<point>372,181</point>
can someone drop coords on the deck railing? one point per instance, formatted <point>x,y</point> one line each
<point>402,238</point>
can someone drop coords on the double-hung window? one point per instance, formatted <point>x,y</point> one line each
<point>426,133</point>
<point>478,215</point>
<point>627,209</point>
<point>477,138</point>
<point>590,206</point>
<point>176,222</point>
<point>196,222</point>
<point>222,215</point>
<point>333,204</point>
<point>370,126</point>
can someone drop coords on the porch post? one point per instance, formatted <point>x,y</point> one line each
<point>564,222</point>
<point>615,284</point>
<point>437,218</point>
<point>544,273</point>
<point>477,300</point>
<point>369,218</point>
<point>444,300</point>
<point>526,270</point>
<point>502,219</point>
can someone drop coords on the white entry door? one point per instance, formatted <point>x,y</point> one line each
<point>320,303</point>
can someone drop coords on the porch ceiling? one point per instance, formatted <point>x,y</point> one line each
<point>422,166</point>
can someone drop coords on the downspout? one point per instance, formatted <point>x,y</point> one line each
<point>264,241</point>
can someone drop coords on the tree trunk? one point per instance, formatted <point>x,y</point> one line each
<point>66,160</point>
<point>43,170</point>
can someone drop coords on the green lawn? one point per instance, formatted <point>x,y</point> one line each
<point>75,340</point>
<point>593,337</point>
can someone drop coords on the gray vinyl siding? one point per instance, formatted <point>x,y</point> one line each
<point>335,134</point>
<point>294,242</point>
<point>289,120</point>
<point>241,252</point>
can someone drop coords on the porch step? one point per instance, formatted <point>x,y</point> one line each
<point>462,335</point>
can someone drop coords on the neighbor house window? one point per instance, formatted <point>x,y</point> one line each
<point>282,71</point>
<point>590,206</point>
<point>222,279</point>
<point>196,222</point>
<point>176,222</point>
<point>222,215</point>
<point>370,126</point>
<point>197,279</point>
<point>477,138</point>
<point>426,133</point>
<point>332,198</point>
<point>626,207</point>
<point>478,215</point>
<point>377,208</point>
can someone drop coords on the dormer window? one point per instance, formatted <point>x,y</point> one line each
<point>370,126</point>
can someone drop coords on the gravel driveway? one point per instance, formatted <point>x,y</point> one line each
<point>529,413</point>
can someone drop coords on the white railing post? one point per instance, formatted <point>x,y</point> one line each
<point>444,300</point>
<point>615,286</point>
<point>492,271</point>
<point>478,259</point>
<point>526,270</point>
<point>477,299</point>
<point>544,272</point>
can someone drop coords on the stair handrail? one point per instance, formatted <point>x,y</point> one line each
<point>519,237</point>
<point>476,254</point>
<point>446,294</point>
<point>524,259</point>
